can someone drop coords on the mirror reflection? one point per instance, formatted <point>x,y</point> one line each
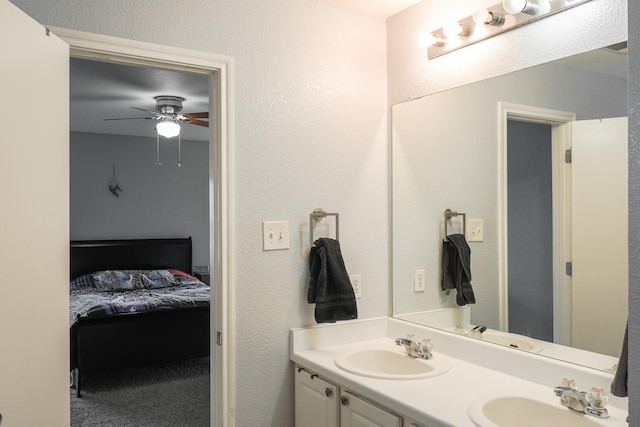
<point>547,238</point>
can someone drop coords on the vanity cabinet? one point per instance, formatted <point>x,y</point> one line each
<point>317,401</point>
<point>356,411</point>
<point>320,403</point>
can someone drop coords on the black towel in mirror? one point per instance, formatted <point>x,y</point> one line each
<point>456,268</point>
<point>619,384</point>
<point>329,285</point>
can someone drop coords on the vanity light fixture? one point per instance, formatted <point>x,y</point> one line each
<point>491,21</point>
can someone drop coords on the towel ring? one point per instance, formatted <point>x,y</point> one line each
<point>317,215</point>
<point>448,214</point>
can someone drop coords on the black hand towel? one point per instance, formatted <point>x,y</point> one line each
<point>456,268</point>
<point>329,286</point>
<point>619,384</point>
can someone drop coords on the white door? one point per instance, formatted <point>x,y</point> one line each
<point>34,218</point>
<point>599,234</point>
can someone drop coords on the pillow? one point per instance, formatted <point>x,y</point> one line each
<point>184,278</point>
<point>114,280</point>
<point>82,282</point>
<point>155,279</point>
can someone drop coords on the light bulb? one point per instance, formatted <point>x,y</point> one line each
<point>483,16</point>
<point>168,128</point>
<point>430,39</point>
<point>530,7</point>
<point>454,29</point>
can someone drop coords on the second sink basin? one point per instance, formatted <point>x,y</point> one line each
<point>512,340</point>
<point>521,411</point>
<point>391,363</point>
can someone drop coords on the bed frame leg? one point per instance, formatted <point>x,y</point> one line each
<point>76,372</point>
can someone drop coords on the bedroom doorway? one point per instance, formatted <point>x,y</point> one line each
<point>215,240</point>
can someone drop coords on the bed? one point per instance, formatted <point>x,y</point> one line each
<point>110,338</point>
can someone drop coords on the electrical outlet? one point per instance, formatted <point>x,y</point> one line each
<point>202,269</point>
<point>418,279</point>
<point>356,282</point>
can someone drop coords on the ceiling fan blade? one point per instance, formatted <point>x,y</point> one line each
<point>147,111</point>
<point>203,115</point>
<point>133,118</point>
<point>198,122</point>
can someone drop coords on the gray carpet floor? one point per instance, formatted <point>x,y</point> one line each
<point>176,394</point>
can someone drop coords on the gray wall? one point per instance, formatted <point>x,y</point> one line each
<point>156,201</point>
<point>530,229</point>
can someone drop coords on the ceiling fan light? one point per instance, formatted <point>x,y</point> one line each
<point>168,128</point>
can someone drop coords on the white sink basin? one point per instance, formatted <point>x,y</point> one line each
<point>512,340</point>
<point>521,411</point>
<point>391,364</point>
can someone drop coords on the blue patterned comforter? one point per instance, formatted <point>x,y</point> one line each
<point>112,292</point>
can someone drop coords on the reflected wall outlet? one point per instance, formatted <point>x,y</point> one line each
<point>356,282</point>
<point>202,269</point>
<point>275,235</point>
<point>418,279</point>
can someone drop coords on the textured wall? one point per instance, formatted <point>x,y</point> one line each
<point>156,201</point>
<point>310,92</point>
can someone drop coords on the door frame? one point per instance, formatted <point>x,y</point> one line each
<point>221,69</point>
<point>560,140</point>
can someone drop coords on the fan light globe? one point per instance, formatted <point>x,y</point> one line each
<point>168,128</point>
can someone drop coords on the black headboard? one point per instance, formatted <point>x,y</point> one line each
<point>88,256</point>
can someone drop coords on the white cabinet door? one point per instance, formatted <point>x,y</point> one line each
<point>316,401</point>
<point>34,218</point>
<point>357,412</point>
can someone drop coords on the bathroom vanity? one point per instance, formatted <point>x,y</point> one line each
<point>464,381</point>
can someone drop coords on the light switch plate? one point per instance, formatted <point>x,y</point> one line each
<point>275,235</point>
<point>476,230</point>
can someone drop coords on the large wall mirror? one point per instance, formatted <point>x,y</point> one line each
<point>549,272</point>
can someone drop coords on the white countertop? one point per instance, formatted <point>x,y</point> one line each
<point>478,369</point>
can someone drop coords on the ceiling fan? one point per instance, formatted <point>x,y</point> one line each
<point>168,108</point>
<point>169,117</point>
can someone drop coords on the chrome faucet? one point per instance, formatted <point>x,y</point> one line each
<point>592,403</point>
<point>414,349</point>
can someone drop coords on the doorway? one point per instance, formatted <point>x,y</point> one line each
<point>219,69</point>
<point>530,229</point>
<point>543,121</point>
<point>161,191</point>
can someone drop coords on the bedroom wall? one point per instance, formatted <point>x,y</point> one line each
<point>156,202</point>
<point>311,131</point>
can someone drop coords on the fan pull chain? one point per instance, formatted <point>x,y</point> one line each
<point>179,152</point>
<point>158,149</point>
